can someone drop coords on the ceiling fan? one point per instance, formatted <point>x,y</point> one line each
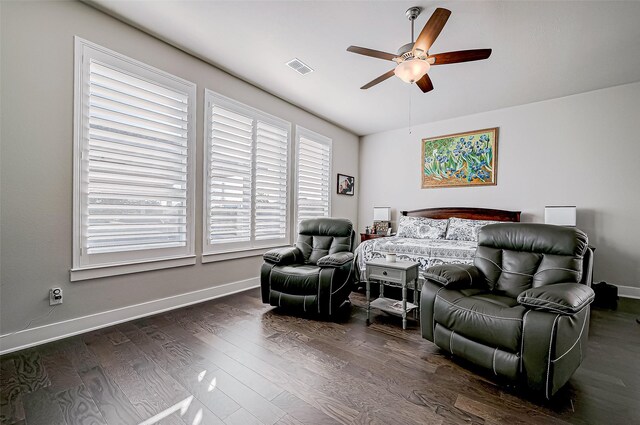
<point>413,59</point>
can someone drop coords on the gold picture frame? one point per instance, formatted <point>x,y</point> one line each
<point>460,159</point>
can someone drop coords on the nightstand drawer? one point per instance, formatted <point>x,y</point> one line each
<point>388,274</point>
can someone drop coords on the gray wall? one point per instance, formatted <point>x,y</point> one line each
<point>36,169</point>
<point>579,150</point>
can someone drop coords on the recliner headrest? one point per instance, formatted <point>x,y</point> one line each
<point>338,227</point>
<point>534,237</point>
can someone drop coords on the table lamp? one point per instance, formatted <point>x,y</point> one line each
<point>381,219</point>
<point>560,215</point>
<point>381,213</point>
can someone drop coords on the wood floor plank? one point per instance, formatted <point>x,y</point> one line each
<point>290,420</point>
<point>151,349</point>
<point>341,411</point>
<point>8,373</point>
<point>31,371</point>
<point>79,355</point>
<point>111,401</point>
<point>191,323</point>
<point>501,415</point>
<point>11,393</point>
<point>197,413</point>
<point>115,336</point>
<point>61,373</point>
<point>78,407</point>
<point>254,403</point>
<point>142,396</point>
<point>248,377</point>
<point>203,385</point>
<point>42,408</point>
<point>170,390</point>
<point>242,417</point>
<point>323,366</point>
<point>301,410</point>
<point>11,406</point>
<point>160,335</point>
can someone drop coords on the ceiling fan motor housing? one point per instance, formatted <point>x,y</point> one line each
<point>407,48</point>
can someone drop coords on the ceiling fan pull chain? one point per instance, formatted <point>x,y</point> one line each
<point>409,113</point>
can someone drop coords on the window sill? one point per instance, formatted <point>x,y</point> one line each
<point>116,270</point>
<point>212,257</point>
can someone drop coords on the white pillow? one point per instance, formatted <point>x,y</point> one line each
<point>421,228</point>
<point>461,229</point>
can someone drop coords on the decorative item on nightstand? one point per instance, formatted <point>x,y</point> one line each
<point>381,220</point>
<point>560,215</point>
<point>367,236</point>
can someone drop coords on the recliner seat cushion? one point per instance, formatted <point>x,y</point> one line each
<point>295,279</point>
<point>484,317</point>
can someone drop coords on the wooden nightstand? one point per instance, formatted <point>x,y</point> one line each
<point>366,237</point>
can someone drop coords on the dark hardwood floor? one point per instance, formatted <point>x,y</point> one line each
<point>237,361</point>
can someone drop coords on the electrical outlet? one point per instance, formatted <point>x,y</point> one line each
<point>55,296</point>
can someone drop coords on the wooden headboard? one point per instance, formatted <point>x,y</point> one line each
<point>465,212</point>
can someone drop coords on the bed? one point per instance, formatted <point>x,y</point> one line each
<point>455,244</point>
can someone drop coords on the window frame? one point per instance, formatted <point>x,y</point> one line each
<point>318,138</point>
<point>211,253</point>
<point>124,262</point>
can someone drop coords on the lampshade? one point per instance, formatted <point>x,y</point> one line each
<point>381,213</point>
<point>560,215</point>
<point>411,70</point>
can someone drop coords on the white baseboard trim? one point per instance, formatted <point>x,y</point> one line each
<point>54,331</point>
<point>628,291</point>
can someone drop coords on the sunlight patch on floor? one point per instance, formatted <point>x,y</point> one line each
<point>181,406</point>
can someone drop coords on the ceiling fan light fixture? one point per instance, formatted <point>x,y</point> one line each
<point>411,70</point>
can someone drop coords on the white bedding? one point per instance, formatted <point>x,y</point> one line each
<point>426,252</point>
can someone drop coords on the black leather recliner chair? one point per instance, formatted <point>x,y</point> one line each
<point>521,310</point>
<point>314,276</point>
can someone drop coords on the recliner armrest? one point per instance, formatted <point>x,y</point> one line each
<point>283,256</point>
<point>455,276</point>
<point>563,298</point>
<point>338,259</point>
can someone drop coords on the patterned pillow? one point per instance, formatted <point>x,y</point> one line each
<point>461,229</point>
<point>421,228</point>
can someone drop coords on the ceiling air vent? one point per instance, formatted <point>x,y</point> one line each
<point>299,66</point>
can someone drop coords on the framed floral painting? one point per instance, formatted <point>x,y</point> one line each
<point>462,159</point>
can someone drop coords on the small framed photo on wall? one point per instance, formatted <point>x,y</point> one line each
<point>346,185</point>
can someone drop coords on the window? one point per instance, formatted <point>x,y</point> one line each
<point>313,167</point>
<point>247,180</point>
<point>133,176</point>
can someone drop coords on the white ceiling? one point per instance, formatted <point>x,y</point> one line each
<point>541,50</point>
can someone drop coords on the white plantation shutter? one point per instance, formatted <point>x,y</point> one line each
<point>271,182</point>
<point>313,175</point>
<point>230,176</point>
<point>134,148</point>
<point>247,183</point>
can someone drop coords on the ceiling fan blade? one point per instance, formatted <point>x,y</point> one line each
<point>378,80</point>
<point>425,83</point>
<point>431,30</point>
<point>370,52</point>
<point>460,56</point>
